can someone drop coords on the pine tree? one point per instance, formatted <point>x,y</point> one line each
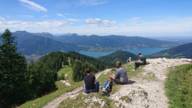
<point>77,71</point>
<point>13,70</point>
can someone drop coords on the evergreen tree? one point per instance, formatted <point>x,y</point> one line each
<point>41,79</point>
<point>77,71</point>
<point>13,70</point>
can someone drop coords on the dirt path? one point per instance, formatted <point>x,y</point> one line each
<point>55,103</point>
<point>148,90</point>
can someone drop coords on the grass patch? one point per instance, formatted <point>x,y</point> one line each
<point>61,88</point>
<point>102,78</point>
<point>65,73</point>
<point>92,100</point>
<point>130,67</point>
<point>179,87</point>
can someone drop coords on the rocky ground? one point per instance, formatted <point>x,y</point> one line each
<point>148,90</point>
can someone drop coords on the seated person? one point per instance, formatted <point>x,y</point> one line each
<point>121,76</point>
<point>140,60</point>
<point>90,83</point>
<point>107,87</point>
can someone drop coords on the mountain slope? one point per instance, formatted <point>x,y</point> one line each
<point>61,58</point>
<point>113,41</point>
<point>178,51</point>
<point>29,43</point>
<point>117,56</point>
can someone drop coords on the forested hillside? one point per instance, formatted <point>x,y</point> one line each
<point>119,55</point>
<point>178,51</point>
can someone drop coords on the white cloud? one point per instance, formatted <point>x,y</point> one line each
<point>165,26</point>
<point>32,5</point>
<point>35,26</point>
<point>100,22</point>
<point>60,15</point>
<point>92,2</point>
<point>161,27</point>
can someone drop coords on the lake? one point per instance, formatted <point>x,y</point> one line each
<point>145,51</point>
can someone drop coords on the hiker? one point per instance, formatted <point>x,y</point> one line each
<point>107,86</point>
<point>140,61</point>
<point>90,83</point>
<point>121,74</point>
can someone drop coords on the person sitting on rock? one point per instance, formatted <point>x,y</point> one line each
<point>121,76</point>
<point>90,83</point>
<point>140,61</point>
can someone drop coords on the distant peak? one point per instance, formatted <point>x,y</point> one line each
<point>21,32</point>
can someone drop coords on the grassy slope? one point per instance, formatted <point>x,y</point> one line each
<point>179,87</point>
<point>65,73</point>
<point>61,88</point>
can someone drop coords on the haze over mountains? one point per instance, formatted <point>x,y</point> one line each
<point>179,39</point>
<point>42,43</point>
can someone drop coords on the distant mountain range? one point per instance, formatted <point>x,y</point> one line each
<point>178,51</point>
<point>43,43</point>
<point>178,39</point>
<point>95,42</point>
<point>37,44</point>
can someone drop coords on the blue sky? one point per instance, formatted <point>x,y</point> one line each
<point>125,17</point>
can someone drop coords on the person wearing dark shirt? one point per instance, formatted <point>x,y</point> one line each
<point>141,60</point>
<point>90,83</point>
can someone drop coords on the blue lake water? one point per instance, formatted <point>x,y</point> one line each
<point>95,54</point>
<point>145,51</point>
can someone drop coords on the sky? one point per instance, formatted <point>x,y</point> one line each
<point>149,18</point>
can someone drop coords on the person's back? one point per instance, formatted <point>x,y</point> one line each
<point>121,74</point>
<point>89,81</point>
